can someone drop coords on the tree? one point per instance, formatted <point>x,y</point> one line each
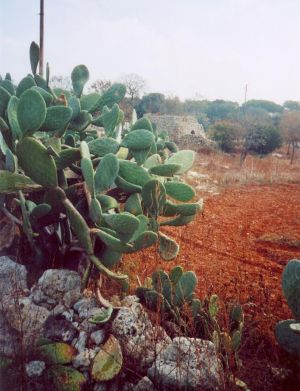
<point>151,103</point>
<point>292,105</point>
<point>267,105</point>
<point>226,133</point>
<point>196,107</point>
<point>174,106</point>
<point>290,125</point>
<point>135,85</point>
<point>220,109</point>
<point>260,139</point>
<point>100,85</point>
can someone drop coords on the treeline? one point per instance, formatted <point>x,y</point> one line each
<point>257,126</point>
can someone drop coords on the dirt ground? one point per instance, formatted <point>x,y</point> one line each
<point>238,247</point>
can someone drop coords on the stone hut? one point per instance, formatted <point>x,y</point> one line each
<point>184,130</point>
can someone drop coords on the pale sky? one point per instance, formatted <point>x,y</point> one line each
<point>204,48</point>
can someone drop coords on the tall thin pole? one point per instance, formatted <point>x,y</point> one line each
<point>41,66</point>
<point>246,90</point>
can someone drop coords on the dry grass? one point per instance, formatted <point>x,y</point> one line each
<point>219,171</point>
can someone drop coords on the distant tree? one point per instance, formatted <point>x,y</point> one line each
<point>226,133</point>
<point>269,106</point>
<point>260,139</point>
<point>135,85</point>
<point>292,105</point>
<point>100,86</point>
<point>196,107</point>
<point>63,82</point>
<point>174,106</point>
<point>151,103</point>
<point>253,116</point>
<point>290,125</point>
<point>220,109</point>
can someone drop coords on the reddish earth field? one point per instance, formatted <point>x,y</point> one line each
<point>238,248</point>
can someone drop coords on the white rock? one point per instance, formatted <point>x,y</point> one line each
<point>25,316</point>
<point>85,303</point>
<point>84,358</point>
<point>98,337</point>
<point>145,384</point>
<point>57,286</point>
<point>68,315</point>
<point>188,363</point>
<point>35,368</point>
<point>13,277</point>
<point>87,326</point>
<point>80,342</point>
<point>139,339</point>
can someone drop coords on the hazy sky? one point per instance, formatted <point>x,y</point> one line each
<point>204,48</point>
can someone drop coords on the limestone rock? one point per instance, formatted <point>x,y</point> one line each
<point>80,342</point>
<point>139,339</point>
<point>98,337</point>
<point>35,368</point>
<point>85,304</point>
<point>13,277</point>
<point>84,358</point>
<point>25,316</point>
<point>17,313</point>
<point>187,363</point>
<point>87,326</point>
<point>145,384</point>
<point>57,286</point>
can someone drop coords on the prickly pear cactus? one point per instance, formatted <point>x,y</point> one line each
<point>169,292</point>
<point>110,193</point>
<point>287,331</point>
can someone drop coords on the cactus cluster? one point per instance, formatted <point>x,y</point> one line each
<point>173,294</point>
<point>111,192</point>
<point>169,292</point>
<point>288,331</point>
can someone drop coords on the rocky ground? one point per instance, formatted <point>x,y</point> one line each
<point>53,337</point>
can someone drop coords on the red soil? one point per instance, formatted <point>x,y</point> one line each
<point>222,246</point>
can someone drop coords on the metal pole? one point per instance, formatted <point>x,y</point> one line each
<point>41,62</point>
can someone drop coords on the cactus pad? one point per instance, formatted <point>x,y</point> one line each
<point>31,111</point>
<point>185,158</point>
<point>180,191</point>
<point>154,197</point>
<point>36,162</point>
<point>79,76</point>
<point>106,172</point>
